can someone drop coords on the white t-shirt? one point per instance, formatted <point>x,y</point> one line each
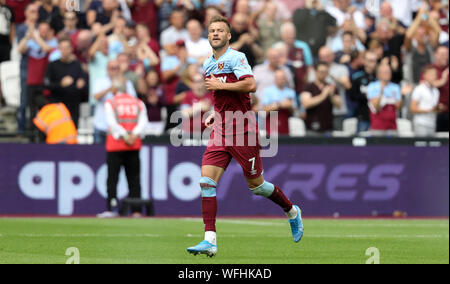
<point>198,49</point>
<point>427,99</point>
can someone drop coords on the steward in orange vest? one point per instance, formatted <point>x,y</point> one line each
<point>57,124</point>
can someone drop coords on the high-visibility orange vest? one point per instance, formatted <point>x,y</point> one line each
<point>55,121</point>
<point>126,110</point>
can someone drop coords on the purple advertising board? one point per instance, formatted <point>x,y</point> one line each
<point>323,180</point>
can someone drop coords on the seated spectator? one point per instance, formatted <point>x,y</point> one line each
<point>420,43</point>
<point>282,99</point>
<point>318,99</point>
<point>195,105</point>
<point>299,56</point>
<point>66,80</point>
<point>243,39</point>
<point>265,73</point>
<point>269,27</point>
<point>385,100</point>
<point>441,66</point>
<point>103,90</point>
<point>186,82</point>
<point>425,104</point>
<point>197,46</point>
<point>358,92</point>
<point>154,103</point>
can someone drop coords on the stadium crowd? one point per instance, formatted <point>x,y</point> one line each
<point>321,63</point>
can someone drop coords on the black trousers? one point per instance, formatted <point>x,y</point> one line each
<point>442,122</point>
<point>131,162</point>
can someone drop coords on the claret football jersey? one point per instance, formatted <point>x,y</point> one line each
<point>231,67</point>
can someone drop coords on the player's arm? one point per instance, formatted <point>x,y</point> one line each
<point>247,85</point>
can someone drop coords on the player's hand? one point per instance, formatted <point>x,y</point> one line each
<point>212,83</point>
<point>209,120</point>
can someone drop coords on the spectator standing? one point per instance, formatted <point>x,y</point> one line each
<point>127,118</point>
<point>318,99</point>
<point>358,92</point>
<point>7,35</point>
<point>37,45</point>
<point>154,103</point>
<point>420,43</point>
<point>31,17</point>
<point>197,46</point>
<point>7,31</point>
<point>269,27</point>
<point>66,80</point>
<point>243,38</point>
<point>299,57</point>
<point>315,35</point>
<point>282,99</point>
<point>441,66</point>
<point>172,67</point>
<point>265,73</point>
<point>425,104</point>
<point>103,90</point>
<point>146,12</point>
<point>19,7</point>
<point>176,31</point>
<point>102,11</point>
<point>385,100</point>
<point>339,76</point>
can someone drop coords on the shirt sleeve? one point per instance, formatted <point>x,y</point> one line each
<point>241,68</point>
<point>398,92</point>
<point>415,96</point>
<point>130,89</point>
<point>372,91</point>
<point>116,129</point>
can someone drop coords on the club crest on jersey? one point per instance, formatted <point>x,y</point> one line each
<point>220,65</point>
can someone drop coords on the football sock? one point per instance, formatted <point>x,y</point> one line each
<point>279,198</point>
<point>210,236</point>
<point>209,203</point>
<point>292,214</point>
<point>209,211</point>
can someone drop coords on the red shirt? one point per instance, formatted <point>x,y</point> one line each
<point>147,14</point>
<point>444,90</point>
<point>18,7</point>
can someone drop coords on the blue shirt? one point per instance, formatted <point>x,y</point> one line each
<point>273,94</point>
<point>231,62</point>
<point>391,91</point>
<point>307,54</point>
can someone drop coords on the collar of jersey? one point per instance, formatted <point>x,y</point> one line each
<point>212,56</point>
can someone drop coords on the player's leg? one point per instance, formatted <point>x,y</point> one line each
<point>250,160</point>
<point>261,187</point>
<point>214,164</point>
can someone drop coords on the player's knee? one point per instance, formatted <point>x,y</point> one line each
<point>208,187</point>
<point>266,189</point>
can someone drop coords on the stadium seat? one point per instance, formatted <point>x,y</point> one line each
<point>85,125</point>
<point>297,127</point>
<point>442,135</point>
<point>350,127</point>
<point>404,127</point>
<point>10,79</point>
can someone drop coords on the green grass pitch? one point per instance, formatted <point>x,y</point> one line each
<point>240,241</point>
